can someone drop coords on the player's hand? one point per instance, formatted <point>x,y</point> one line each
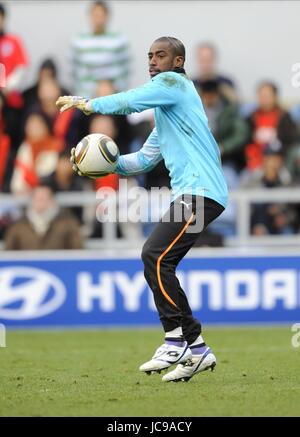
<point>74,165</point>
<point>68,102</point>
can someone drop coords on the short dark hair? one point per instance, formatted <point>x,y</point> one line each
<point>102,4</point>
<point>49,64</point>
<point>2,10</point>
<point>210,86</point>
<point>176,45</point>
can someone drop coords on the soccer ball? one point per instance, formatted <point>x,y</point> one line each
<point>96,155</point>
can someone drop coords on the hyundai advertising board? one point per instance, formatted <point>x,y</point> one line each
<point>110,292</point>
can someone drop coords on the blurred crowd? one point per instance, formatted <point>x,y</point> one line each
<point>259,141</point>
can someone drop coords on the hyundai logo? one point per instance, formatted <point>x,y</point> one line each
<point>29,293</point>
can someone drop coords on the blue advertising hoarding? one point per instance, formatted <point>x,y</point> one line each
<point>81,291</point>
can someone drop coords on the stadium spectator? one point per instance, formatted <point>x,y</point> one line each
<point>48,92</point>
<point>47,70</point>
<point>63,179</point>
<point>14,58</point>
<point>207,69</point>
<point>37,156</point>
<point>270,218</point>
<point>99,55</point>
<point>268,123</point>
<point>44,226</point>
<point>229,129</point>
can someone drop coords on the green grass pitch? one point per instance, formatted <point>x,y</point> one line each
<point>95,373</point>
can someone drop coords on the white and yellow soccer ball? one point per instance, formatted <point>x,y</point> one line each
<point>96,155</point>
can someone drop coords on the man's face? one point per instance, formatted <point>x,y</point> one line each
<point>42,200</point>
<point>267,98</point>
<point>206,61</point>
<point>98,19</point>
<point>161,58</point>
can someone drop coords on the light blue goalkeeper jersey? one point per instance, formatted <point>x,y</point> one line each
<point>181,136</point>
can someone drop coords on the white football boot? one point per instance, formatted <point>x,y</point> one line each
<point>198,363</point>
<point>165,356</point>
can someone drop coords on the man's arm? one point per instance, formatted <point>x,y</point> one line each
<point>155,93</point>
<point>162,90</point>
<point>142,161</point>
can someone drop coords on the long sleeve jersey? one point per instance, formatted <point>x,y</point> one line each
<point>181,136</point>
<point>97,57</point>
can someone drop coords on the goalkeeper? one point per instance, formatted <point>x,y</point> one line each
<point>199,194</point>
